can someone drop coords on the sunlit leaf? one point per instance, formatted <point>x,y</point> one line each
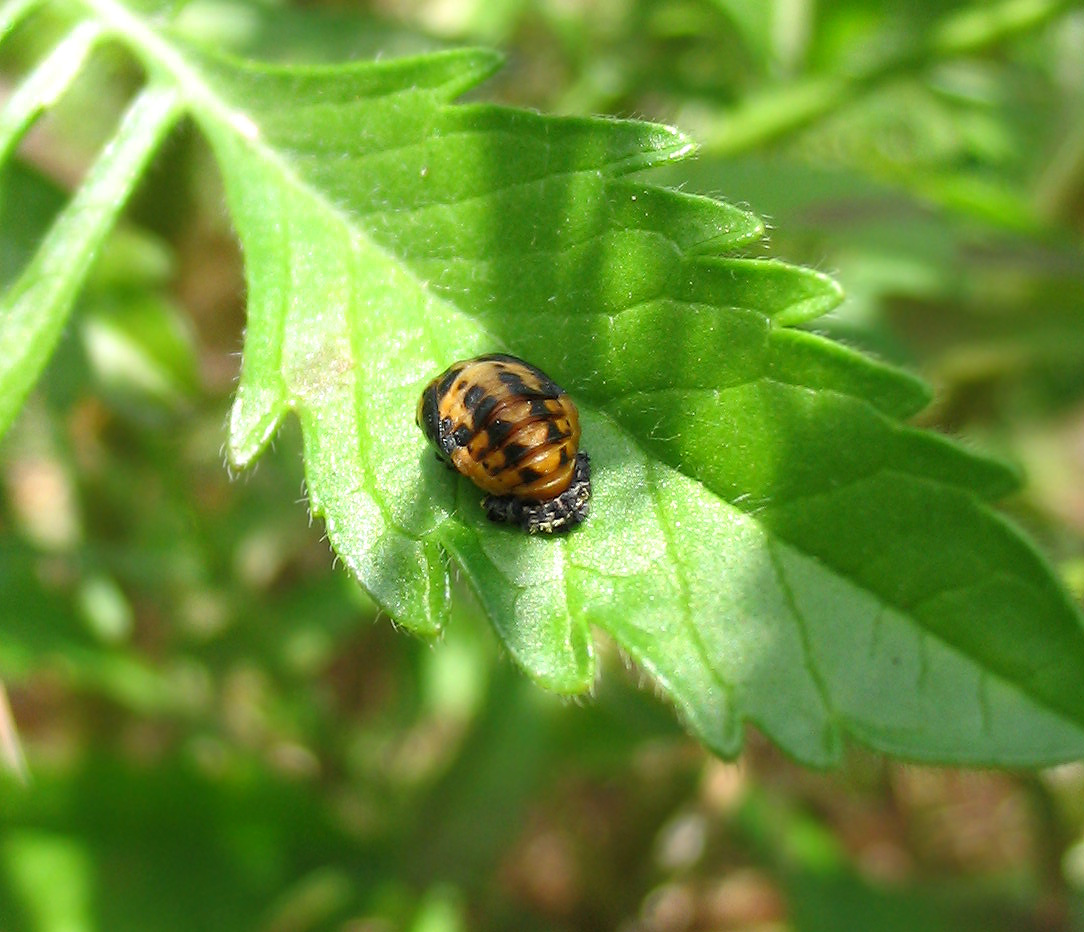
<point>768,538</point>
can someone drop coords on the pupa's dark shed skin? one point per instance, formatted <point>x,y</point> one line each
<point>506,426</point>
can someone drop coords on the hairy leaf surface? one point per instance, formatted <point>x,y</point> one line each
<point>768,537</point>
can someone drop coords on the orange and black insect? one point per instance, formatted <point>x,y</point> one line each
<point>506,426</point>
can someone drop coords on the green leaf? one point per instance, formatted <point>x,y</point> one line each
<point>35,307</point>
<point>12,13</point>
<point>34,860</point>
<point>42,88</point>
<point>767,538</point>
<point>140,348</point>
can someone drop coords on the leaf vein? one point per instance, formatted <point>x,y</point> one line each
<point>687,622</point>
<point>801,624</point>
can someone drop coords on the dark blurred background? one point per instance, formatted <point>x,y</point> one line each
<point>221,734</point>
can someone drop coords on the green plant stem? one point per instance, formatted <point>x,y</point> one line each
<point>773,114</point>
<point>35,308</point>
<point>10,752</point>
<point>12,13</point>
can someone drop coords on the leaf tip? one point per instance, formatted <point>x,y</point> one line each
<point>823,294</point>
<point>254,419</point>
<point>470,67</point>
<point>674,144</point>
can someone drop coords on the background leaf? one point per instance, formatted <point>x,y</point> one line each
<point>35,307</point>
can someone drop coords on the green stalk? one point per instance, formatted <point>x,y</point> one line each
<point>768,116</point>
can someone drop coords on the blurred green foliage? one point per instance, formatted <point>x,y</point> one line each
<point>219,736</point>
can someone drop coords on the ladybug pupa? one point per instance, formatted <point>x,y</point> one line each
<point>511,430</point>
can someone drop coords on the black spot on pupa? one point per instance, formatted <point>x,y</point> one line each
<point>515,384</point>
<point>529,475</point>
<point>554,434</point>
<point>449,379</point>
<point>429,415</point>
<point>498,431</point>
<point>483,410</point>
<point>513,453</point>
<point>538,407</point>
<point>473,396</point>
<point>461,435</point>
